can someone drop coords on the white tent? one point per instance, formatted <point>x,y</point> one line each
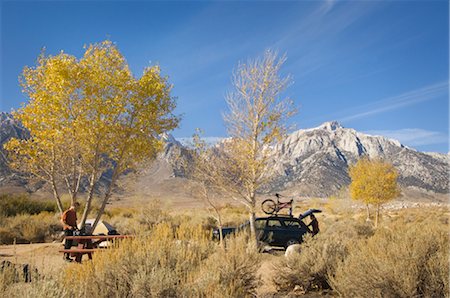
<point>102,228</point>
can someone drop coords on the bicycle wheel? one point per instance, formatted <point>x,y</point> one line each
<point>268,206</point>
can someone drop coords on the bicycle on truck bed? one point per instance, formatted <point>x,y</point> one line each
<point>271,207</point>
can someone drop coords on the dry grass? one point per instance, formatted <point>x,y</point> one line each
<point>171,261</point>
<point>174,257</point>
<point>402,261</point>
<point>230,272</point>
<point>29,228</point>
<point>406,257</point>
<point>319,258</point>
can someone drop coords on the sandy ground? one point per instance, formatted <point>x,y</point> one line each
<point>266,272</point>
<point>47,260</point>
<point>43,256</point>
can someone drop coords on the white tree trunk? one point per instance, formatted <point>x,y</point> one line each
<point>252,225</point>
<point>57,197</point>
<point>89,198</point>
<point>377,215</point>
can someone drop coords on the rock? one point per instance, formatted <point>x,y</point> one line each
<point>292,250</point>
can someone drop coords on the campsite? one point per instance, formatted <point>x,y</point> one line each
<point>224,149</point>
<point>181,239</point>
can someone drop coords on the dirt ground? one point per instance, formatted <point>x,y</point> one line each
<point>42,256</point>
<point>47,260</point>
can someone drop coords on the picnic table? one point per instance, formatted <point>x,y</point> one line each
<point>89,244</point>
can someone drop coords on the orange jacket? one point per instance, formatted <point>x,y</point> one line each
<point>69,219</point>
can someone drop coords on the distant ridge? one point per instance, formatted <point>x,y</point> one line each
<point>316,160</point>
<point>308,162</point>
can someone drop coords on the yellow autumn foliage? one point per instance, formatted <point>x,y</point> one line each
<point>373,181</point>
<point>88,115</point>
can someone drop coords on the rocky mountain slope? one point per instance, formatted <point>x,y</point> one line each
<point>9,128</point>
<point>309,162</point>
<point>315,161</point>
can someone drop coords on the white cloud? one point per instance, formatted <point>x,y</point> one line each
<point>413,136</point>
<point>406,99</point>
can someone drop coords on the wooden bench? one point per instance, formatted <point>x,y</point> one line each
<point>79,250</point>
<point>87,245</point>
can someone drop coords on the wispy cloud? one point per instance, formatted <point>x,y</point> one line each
<point>315,35</point>
<point>413,136</point>
<point>406,99</point>
<point>327,6</point>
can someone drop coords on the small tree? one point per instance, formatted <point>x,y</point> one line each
<point>90,115</point>
<point>373,182</point>
<point>256,120</point>
<point>206,172</point>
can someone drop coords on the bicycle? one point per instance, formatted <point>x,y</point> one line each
<point>269,206</point>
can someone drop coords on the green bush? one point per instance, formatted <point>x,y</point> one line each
<point>15,205</point>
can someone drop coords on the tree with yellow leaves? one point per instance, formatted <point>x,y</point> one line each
<point>256,120</point>
<point>373,182</point>
<point>90,115</point>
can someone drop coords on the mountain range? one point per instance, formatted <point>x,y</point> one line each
<point>308,162</point>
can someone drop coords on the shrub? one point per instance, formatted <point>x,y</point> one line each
<point>169,262</point>
<point>15,205</point>
<point>156,265</point>
<point>6,236</point>
<point>152,214</point>
<point>319,258</point>
<point>29,228</point>
<point>230,272</point>
<point>406,261</point>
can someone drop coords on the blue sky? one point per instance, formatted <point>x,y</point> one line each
<point>376,66</point>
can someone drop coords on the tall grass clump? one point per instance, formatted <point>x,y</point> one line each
<point>171,261</point>
<point>7,279</point>
<point>402,261</point>
<point>319,258</point>
<point>12,205</point>
<point>229,271</point>
<point>154,265</point>
<point>29,228</point>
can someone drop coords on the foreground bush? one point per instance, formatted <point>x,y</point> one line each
<point>319,258</point>
<point>229,272</point>
<point>169,262</point>
<point>149,266</point>
<point>408,261</point>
